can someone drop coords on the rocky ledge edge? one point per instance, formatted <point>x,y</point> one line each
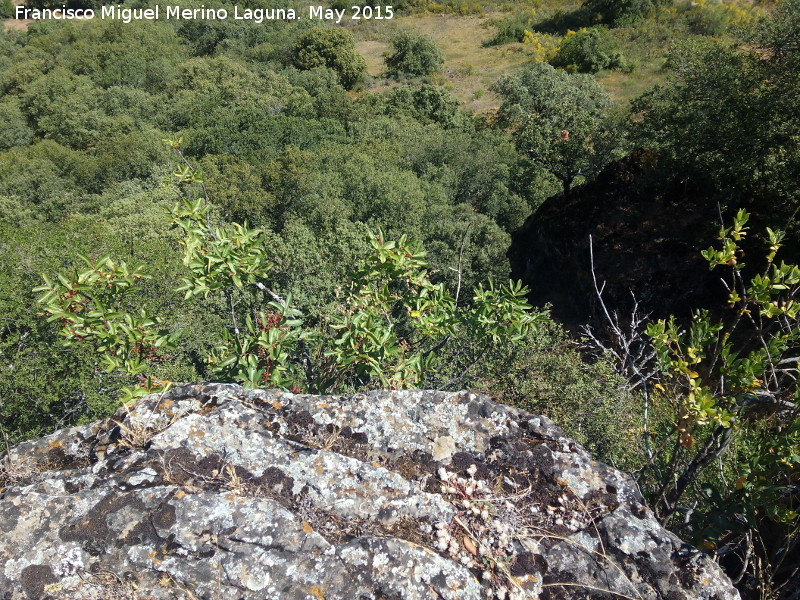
<point>213,491</point>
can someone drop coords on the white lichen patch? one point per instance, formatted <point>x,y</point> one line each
<point>71,561</point>
<point>342,485</point>
<point>443,448</point>
<point>583,539</point>
<point>254,579</point>
<point>146,475</point>
<point>581,482</point>
<point>408,571</point>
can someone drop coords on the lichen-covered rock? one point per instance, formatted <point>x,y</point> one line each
<point>212,491</point>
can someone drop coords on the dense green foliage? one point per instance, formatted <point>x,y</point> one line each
<point>426,103</point>
<point>333,49</point>
<point>588,51</point>
<point>86,108</point>
<point>413,54</point>
<point>730,115</point>
<point>388,332</point>
<point>619,12</point>
<point>558,120</point>
<point>512,29</point>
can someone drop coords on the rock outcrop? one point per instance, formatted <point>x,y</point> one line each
<point>647,228</point>
<point>212,491</point>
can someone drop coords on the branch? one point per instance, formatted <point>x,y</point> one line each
<point>632,353</point>
<point>188,164</point>
<point>721,438</point>
<point>280,300</point>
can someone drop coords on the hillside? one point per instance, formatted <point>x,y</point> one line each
<point>321,208</point>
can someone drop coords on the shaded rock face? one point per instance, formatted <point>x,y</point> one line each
<point>647,229</point>
<point>212,491</point>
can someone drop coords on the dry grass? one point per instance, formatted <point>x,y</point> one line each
<point>17,24</point>
<point>13,471</point>
<point>105,585</point>
<point>625,87</point>
<point>469,67</point>
<point>138,432</point>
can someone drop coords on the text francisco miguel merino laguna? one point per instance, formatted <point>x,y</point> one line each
<point>174,12</point>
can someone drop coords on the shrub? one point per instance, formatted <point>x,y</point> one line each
<point>512,29</point>
<point>722,441</point>
<point>333,48</point>
<point>426,103</point>
<point>413,54</point>
<point>588,51</point>
<point>388,331</point>
<point>620,12</point>
<point>15,131</point>
<point>706,18</point>
<point>717,382</point>
<point>89,307</point>
<point>543,46</point>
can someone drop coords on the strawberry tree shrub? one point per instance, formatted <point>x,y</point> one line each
<point>387,328</point>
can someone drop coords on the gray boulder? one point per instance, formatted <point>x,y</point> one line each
<point>213,492</point>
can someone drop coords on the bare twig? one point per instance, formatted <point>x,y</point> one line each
<point>279,299</point>
<point>628,347</point>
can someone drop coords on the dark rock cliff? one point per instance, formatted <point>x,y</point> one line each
<point>212,491</point>
<point>647,227</point>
